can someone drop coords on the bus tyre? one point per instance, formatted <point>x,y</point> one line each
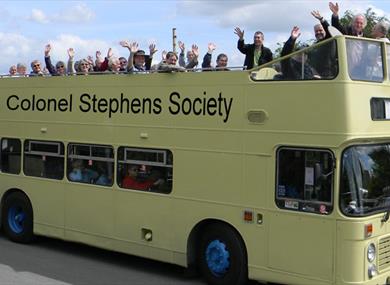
<point>222,257</point>
<point>18,218</point>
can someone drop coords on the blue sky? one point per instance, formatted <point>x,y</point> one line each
<point>87,26</point>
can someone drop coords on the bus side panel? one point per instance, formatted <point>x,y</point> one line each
<point>137,213</point>
<point>47,200</point>
<point>89,211</point>
<point>315,234</point>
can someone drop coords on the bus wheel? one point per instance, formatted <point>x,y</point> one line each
<point>222,257</point>
<point>18,218</point>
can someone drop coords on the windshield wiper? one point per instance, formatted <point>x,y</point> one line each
<point>386,192</point>
<point>386,216</point>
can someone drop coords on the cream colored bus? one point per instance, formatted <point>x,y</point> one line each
<point>280,174</point>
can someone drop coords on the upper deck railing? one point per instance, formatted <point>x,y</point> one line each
<point>341,57</point>
<point>109,72</point>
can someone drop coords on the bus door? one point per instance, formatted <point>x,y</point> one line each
<point>302,234</point>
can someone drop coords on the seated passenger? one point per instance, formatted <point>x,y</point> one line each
<point>131,180</point>
<point>21,69</point>
<point>83,67</point>
<point>190,55</point>
<point>321,31</point>
<point>123,63</point>
<point>77,171</point>
<point>163,60</point>
<point>380,31</point>
<point>13,71</point>
<point>36,68</point>
<point>138,61</point>
<point>59,69</point>
<point>222,60</point>
<point>103,65</point>
<point>80,173</point>
<point>171,59</point>
<point>103,180</point>
<point>292,67</point>
<point>114,65</point>
<point>359,22</point>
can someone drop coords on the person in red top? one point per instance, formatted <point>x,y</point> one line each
<point>130,180</point>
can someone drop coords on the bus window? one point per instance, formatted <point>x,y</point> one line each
<point>388,59</point>
<point>92,164</point>
<point>365,61</point>
<point>318,62</point>
<point>145,169</point>
<point>365,183</point>
<point>304,180</point>
<point>44,159</point>
<point>10,155</point>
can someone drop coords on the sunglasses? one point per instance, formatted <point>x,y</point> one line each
<point>60,66</point>
<point>36,65</point>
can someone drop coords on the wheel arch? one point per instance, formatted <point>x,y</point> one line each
<point>194,238</point>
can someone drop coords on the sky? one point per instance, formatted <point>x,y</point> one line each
<point>87,26</point>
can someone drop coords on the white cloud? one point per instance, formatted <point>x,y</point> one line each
<point>82,47</point>
<point>80,13</point>
<point>38,16</point>
<point>14,45</point>
<point>269,16</point>
<point>18,48</point>
<point>15,48</point>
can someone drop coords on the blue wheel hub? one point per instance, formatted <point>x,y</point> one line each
<point>16,217</point>
<point>217,258</point>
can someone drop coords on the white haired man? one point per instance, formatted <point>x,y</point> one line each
<point>359,22</point>
<point>380,31</point>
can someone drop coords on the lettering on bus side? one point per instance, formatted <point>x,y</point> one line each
<point>216,105</point>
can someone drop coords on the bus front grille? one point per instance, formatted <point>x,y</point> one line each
<point>384,253</point>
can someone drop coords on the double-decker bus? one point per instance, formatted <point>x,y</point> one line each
<point>279,174</point>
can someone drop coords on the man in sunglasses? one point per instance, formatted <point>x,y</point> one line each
<point>36,68</point>
<point>59,69</point>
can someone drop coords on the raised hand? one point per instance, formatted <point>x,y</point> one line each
<point>47,49</point>
<point>239,33</point>
<point>133,47</point>
<point>164,54</point>
<point>90,59</point>
<point>125,44</point>
<point>110,53</point>
<point>211,47</point>
<point>316,14</point>
<point>152,49</point>
<point>181,46</point>
<point>334,8</point>
<point>295,33</point>
<point>195,50</point>
<point>71,53</point>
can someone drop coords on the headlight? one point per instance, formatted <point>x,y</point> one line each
<point>372,271</point>
<point>371,252</point>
